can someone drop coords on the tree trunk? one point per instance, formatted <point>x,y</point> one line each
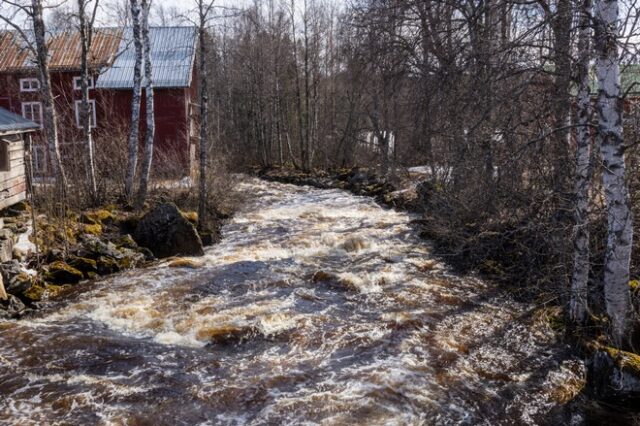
<point>204,117</point>
<point>147,159</point>
<point>85,113</point>
<point>620,221</point>
<point>561,26</point>
<point>578,303</point>
<point>49,113</point>
<point>132,160</point>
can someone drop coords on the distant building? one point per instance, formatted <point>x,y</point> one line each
<point>14,133</point>
<point>372,143</point>
<point>112,59</point>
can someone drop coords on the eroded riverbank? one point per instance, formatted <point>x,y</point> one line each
<point>318,306</point>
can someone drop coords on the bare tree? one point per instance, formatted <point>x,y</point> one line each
<point>620,220</point>
<point>85,26</point>
<point>147,158</point>
<point>204,9</point>
<point>132,159</point>
<point>578,302</point>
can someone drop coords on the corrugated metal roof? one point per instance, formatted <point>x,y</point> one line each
<point>172,57</point>
<point>13,122</point>
<point>64,50</point>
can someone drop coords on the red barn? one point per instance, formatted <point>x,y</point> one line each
<point>111,61</point>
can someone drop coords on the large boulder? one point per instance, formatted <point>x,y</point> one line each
<point>166,232</point>
<point>615,375</point>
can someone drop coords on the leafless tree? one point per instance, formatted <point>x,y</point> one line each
<point>147,159</point>
<point>132,159</point>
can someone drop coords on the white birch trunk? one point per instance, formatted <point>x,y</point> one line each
<point>85,117</point>
<point>132,159</point>
<point>147,159</point>
<point>49,111</point>
<point>204,116</point>
<point>620,221</point>
<point>578,304</point>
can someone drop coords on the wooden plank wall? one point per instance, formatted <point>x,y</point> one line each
<point>13,183</point>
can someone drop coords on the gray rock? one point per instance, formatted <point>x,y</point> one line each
<point>16,279</point>
<point>614,379</point>
<point>167,233</point>
<point>11,308</point>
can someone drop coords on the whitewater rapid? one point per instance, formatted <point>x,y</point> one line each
<point>318,307</point>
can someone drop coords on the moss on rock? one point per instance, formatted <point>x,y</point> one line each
<point>60,272</point>
<point>626,361</point>
<point>83,264</point>
<point>94,229</point>
<point>97,217</point>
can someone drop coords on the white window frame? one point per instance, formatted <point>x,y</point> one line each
<point>77,82</point>
<point>29,80</point>
<point>78,105</point>
<point>31,104</point>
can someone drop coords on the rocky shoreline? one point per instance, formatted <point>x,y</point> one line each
<point>46,263</point>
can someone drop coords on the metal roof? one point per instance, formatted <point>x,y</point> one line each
<point>172,58</point>
<point>10,122</point>
<point>64,49</point>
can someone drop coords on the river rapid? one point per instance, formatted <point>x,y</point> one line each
<point>318,307</point>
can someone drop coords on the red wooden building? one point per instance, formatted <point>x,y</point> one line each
<point>111,61</point>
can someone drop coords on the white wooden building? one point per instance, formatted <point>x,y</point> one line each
<point>15,133</point>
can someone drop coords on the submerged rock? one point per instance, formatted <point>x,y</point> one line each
<point>181,262</point>
<point>166,232</point>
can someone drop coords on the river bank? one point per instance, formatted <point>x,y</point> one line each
<point>44,257</point>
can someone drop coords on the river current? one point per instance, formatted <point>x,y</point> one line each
<point>318,307</point>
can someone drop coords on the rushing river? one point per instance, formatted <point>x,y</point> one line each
<point>318,307</point>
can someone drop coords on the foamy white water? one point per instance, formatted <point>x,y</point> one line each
<point>318,307</point>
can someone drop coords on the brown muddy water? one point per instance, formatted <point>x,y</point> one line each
<point>318,307</point>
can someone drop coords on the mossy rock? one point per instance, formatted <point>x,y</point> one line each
<point>60,272</point>
<point>44,291</point>
<point>84,265</point>
<point>98,217</point>
<point>126,241</point>
<point>107,265</point>
<point>35,293</point>
<point>626,361</point>
<point>95,229</point>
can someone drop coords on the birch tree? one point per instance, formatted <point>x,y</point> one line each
<point>619,217</point>
<point>204,9</point>
<point>147,158</point>
<point>85,29</point>
<point>132,159</point>
<point>579,289</point>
